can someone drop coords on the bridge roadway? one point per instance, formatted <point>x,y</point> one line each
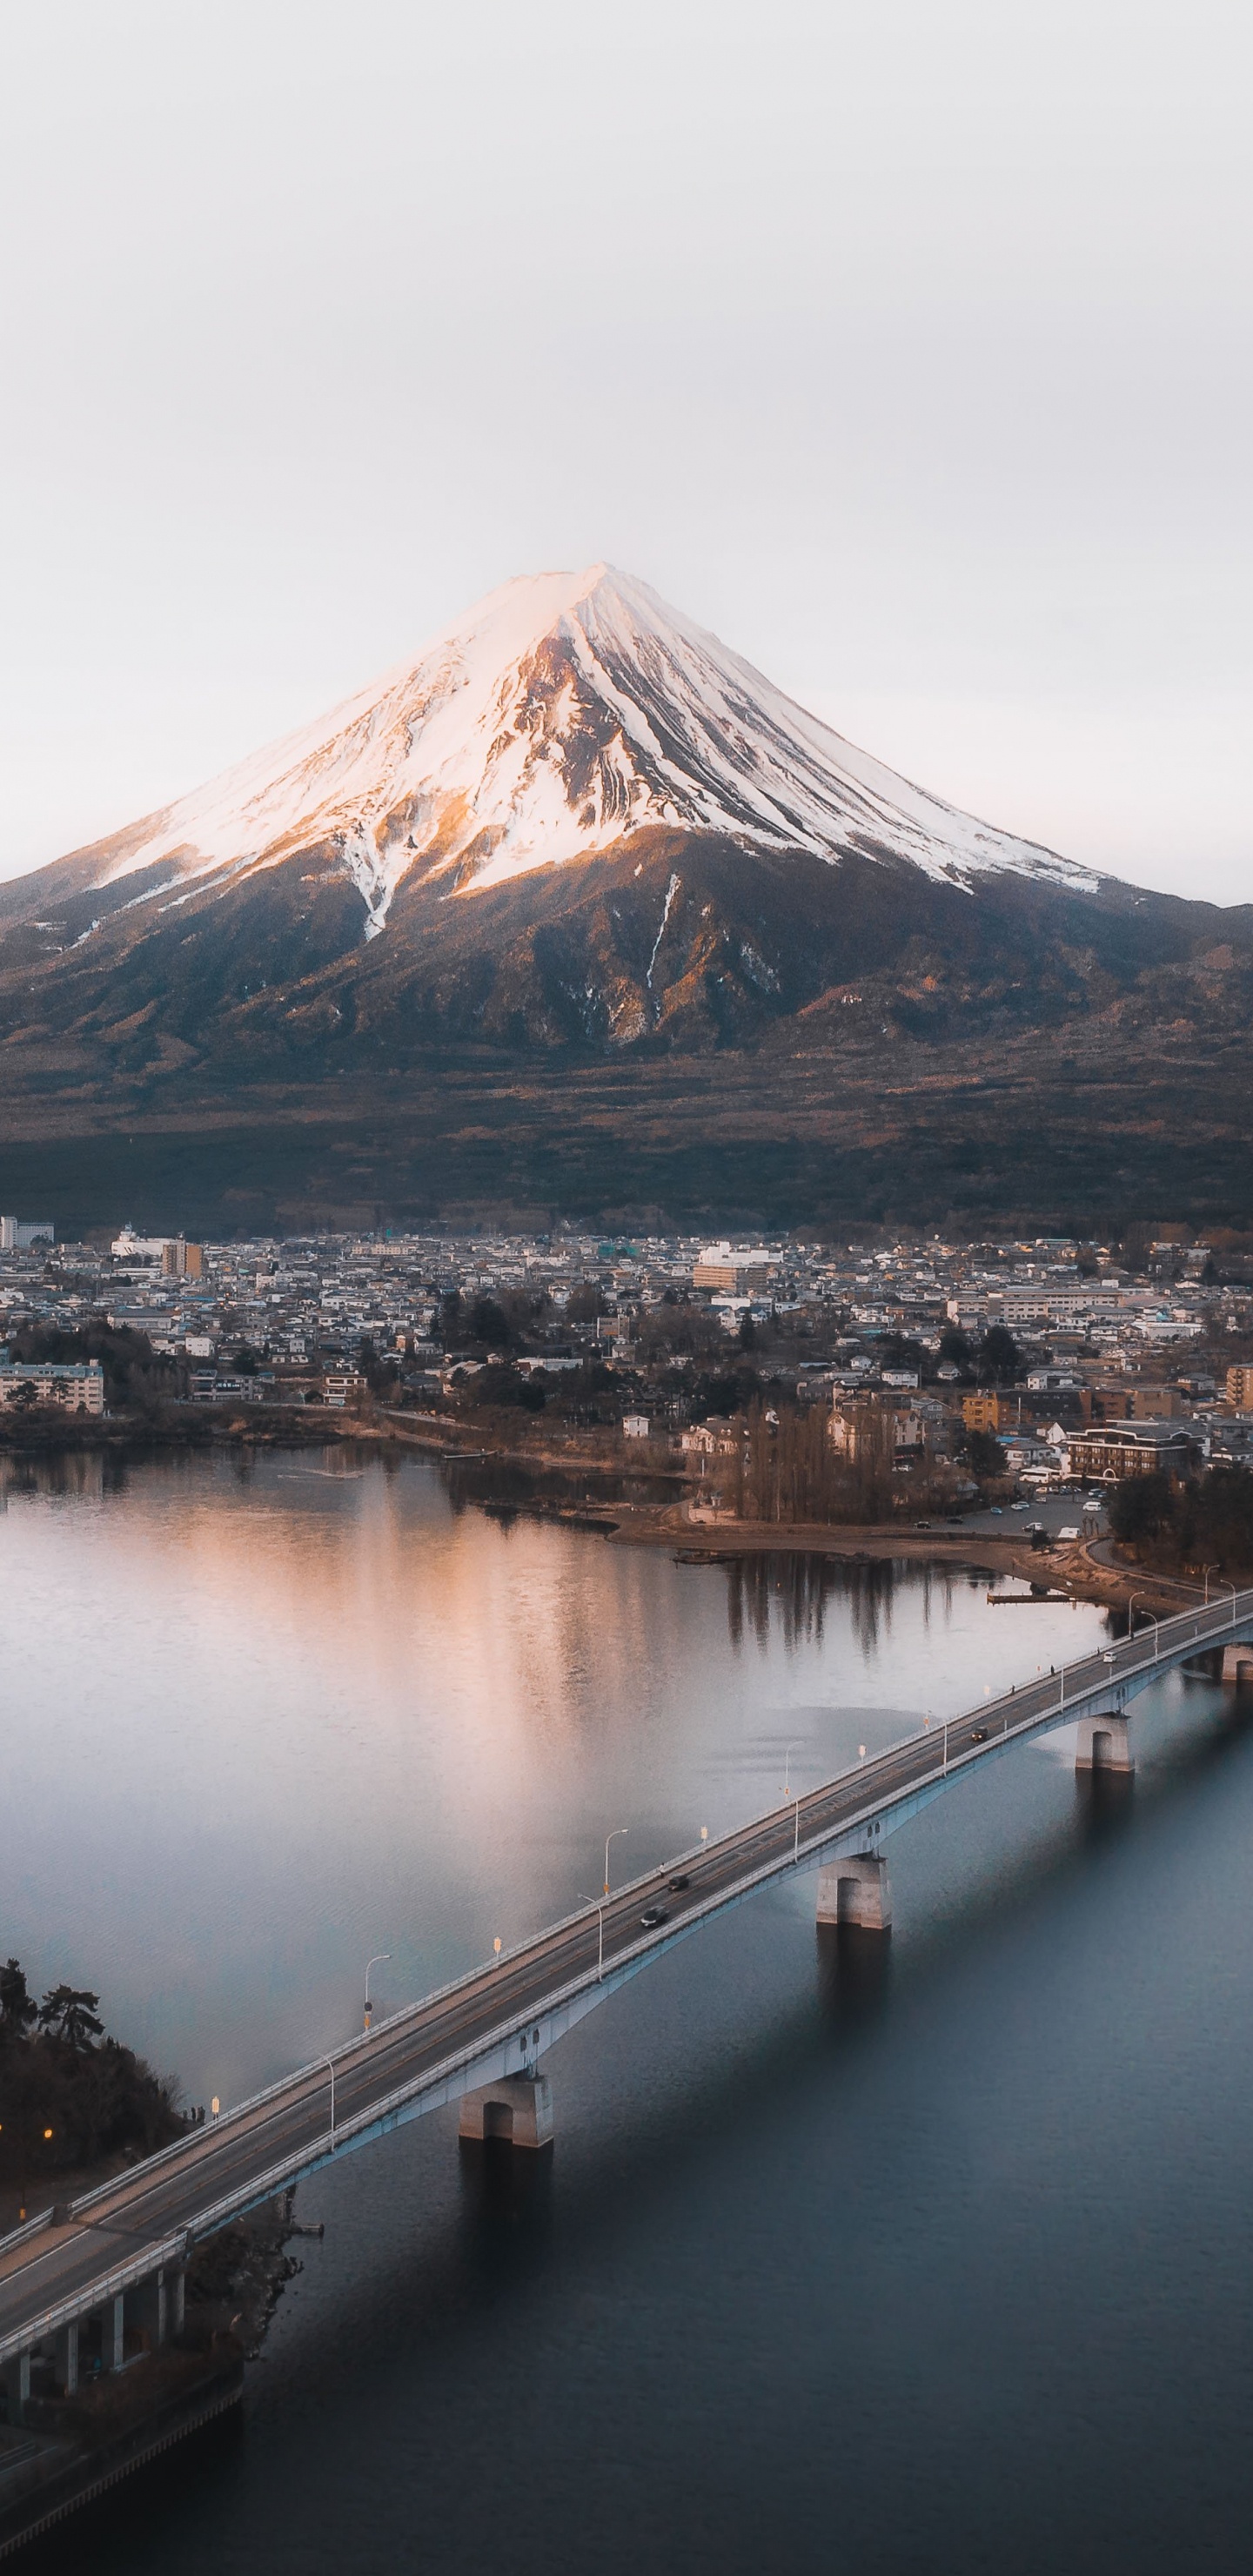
<point>496,2020</point>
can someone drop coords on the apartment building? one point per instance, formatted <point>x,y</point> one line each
<point>76,1385</point>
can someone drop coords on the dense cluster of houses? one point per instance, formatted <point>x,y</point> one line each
<point>1120,1362</point>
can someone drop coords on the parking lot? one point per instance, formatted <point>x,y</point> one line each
<point>1055,1511</point>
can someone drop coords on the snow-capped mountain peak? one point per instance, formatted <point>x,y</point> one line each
<point>564,713</point>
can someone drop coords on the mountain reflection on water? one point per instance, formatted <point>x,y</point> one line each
<point>930,2254</point>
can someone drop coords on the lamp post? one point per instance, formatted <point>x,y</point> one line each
<point>795,1796</point>
<point>1131,1623</point>
<point>329,2062</point>
<point>612,1838</point>
<point>375,1962</point>
<point>599,1903</point>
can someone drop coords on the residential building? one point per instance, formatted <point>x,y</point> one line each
<point>19,1233</point>
<point>704,1442</point>
<point>984,1412</point>
<point>736,1274</point>
<point>345,1386</point>
<point>180,1260</point>
<point>1155,1403</point>
<point>1111,1450</point>
<point>1240,1389</point>
<point>76,1385</point>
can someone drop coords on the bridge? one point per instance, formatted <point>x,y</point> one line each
<point>117,2255</point>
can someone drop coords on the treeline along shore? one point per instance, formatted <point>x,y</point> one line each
<point>76,2106</point>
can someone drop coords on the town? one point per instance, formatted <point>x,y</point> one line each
<point>792,1381</point>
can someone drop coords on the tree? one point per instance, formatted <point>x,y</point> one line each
<point>956,1347</point>
<point>897,1351</point>
<point>380,1372</point>
<point>747,1333</point>
<point>507,1386</point>
<point>984,1451</point>
<point>723,1396</point>
<point>999,1361</point>
<point>1141,1508</point>
<point>489,1323</point>
<point>1213,1521</point>
<point>70,2013</point>
<point>17,2007</point>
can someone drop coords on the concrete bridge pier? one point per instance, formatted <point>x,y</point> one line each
<point>1104,1744</point>
<point>516,2107</point>
<point>1238,1663</point>
<point>856,1889</point>
<point>148,2304</point>
<point>17,2386</point>
<point>113,2333</point>
<point>66,2362</point>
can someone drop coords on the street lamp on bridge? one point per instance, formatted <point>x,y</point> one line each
<point>612,1838</point>
<point>1131,1623</point>
<point>375,1962</point>
<point>599,1903</point>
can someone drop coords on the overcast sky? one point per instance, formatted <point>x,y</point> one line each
<point>904,343</point>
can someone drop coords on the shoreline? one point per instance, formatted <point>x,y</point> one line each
<point>1077,1570</point>
<point>1074,1570</point>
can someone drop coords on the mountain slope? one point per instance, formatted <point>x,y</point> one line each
<point>577,833</point>
<point>564,715</point>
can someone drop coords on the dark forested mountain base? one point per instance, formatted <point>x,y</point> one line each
<point>1079,1130</point>
<point>681,1028</point>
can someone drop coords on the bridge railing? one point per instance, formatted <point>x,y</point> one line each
<point>64,2312</point>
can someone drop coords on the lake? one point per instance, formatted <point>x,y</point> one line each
<point>926,2254</point>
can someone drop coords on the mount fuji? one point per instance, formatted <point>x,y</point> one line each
<point>563,717</point>
<point>576,827</point>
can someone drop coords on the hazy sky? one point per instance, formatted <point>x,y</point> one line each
<point>906,344</point>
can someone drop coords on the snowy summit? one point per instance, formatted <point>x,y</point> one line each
<point>564,713</point>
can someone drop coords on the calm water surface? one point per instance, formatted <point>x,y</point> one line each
<point>933,2260</point>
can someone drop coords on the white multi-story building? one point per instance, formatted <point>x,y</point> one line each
<point>76,1385</point>
<point>18,1233</point>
